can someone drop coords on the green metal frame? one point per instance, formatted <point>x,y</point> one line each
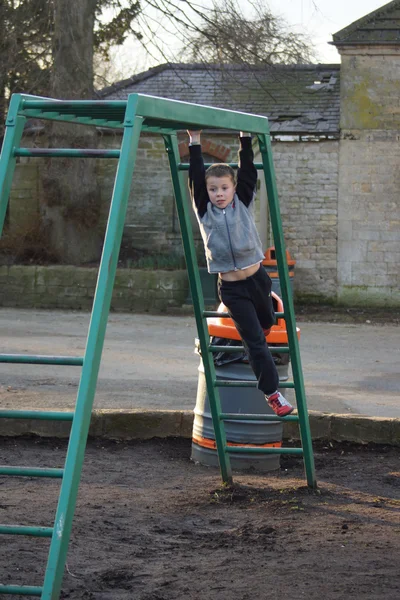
<point>139,113</point>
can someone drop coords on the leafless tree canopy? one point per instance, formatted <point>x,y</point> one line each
<point>220,32</point>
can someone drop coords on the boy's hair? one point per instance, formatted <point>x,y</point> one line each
<point>221,170</point>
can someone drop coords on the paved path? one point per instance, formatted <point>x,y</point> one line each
<point>148,362</point>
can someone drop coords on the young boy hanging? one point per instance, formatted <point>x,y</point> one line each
<point>224,208</point>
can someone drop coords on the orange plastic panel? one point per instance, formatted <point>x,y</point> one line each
<point>225,327</point>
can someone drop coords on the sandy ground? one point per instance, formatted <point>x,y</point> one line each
<point>148,362</point>
<point>151,525</point>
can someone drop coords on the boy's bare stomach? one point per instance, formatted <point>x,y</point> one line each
<point>240,274</point>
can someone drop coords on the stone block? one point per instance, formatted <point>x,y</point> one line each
<point>362,430</point>
<point>137,424</point>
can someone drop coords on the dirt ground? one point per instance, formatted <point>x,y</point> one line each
<point>152,525</point>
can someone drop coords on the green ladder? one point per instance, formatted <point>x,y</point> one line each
<point>165,117</point>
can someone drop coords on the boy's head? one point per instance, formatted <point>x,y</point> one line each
<point>221,184</point>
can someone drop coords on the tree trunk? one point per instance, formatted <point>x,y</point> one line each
<point>71,202</point>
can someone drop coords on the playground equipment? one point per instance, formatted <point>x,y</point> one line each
<point>138,113</point>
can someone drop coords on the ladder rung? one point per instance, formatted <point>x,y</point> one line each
<point>255,417</point>
<point>21,590</point>
<point>244,383</point>
<point>185,166</point>
<point>233,349</point>
<point>24,530</point>
<point>225,315</point>
<point>38,359</point>
<point>31,472</point>
<point>36,414</point>
<point>66,152</point>
<point>263,450</point>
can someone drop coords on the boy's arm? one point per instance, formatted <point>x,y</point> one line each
<point>197,180</point>
<point>247,173</point>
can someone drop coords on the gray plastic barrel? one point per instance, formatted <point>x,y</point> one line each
<point>245,400</point>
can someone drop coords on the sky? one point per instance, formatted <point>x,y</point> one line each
<point>319,19</point>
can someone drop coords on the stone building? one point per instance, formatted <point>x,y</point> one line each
<point>335,132</point>
<point>302,103</point>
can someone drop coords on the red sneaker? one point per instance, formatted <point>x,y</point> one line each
<point>279,404</point>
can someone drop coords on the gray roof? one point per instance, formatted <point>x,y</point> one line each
<point>382,26</point>
<point>298,99</point>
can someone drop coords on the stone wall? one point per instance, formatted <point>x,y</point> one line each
<point>67,287</point>
<point>307,180</point>
<point>369,188</point>
<point>307,185</point>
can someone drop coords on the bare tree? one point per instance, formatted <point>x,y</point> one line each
<point>77,30</point>
<point>220,31</point>
<point>225,35</point>
<point>71,203</point>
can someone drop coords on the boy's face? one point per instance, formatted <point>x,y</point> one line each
<point>220,190</point>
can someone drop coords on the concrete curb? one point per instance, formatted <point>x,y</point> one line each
<point>146,424</point>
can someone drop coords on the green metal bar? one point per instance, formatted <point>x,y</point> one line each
<point>65,152</point>
<point>36,414</point>
<point>47,104</point>
<point>31,359</point>
<point>253,450</point>
<point>12,137</point>
<point>94,347</point>
<point>182,115</point>
<point>185,166</point>
<point>21,590</point>
<point>52,116</point>
<point>171,145</point>
<point>240,384</point>
<point>31,472</point>
<point>23,530</point>
<point>280,253</point>
<point>234,349</point>
<point>160,130</point>
<point>254,417</point>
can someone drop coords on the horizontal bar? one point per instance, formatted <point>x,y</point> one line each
<point>253,450</point>
<point>47,104</point>
<point>66,152</point>
<point>224,315</point>
<point>185,166</point>
<point>254,417</point>
<point>31,472</point>
<point>233,349</point>
<point>36,414</point>
<point>246,383</point>
<point>23,530</point>
<point>32,359</point>
<point>21,590</point>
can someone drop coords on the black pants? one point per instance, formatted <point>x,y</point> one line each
<point>250,306</point>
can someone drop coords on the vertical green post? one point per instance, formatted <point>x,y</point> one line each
<point>280,253</point>
<point>171,145</point>
<point>14,129</point>
<point>94,346</point>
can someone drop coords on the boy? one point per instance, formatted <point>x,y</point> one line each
<point>224,209</point>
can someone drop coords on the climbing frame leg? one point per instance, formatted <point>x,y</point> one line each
<point>171,145</point>
<point>14,129</point>
<point>276,222</point>
<point>94,346</point>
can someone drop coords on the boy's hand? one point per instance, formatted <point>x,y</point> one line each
<point>244,134</point>
<point>194,136</point>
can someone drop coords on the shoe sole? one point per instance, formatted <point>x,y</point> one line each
<point>286,414</point>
